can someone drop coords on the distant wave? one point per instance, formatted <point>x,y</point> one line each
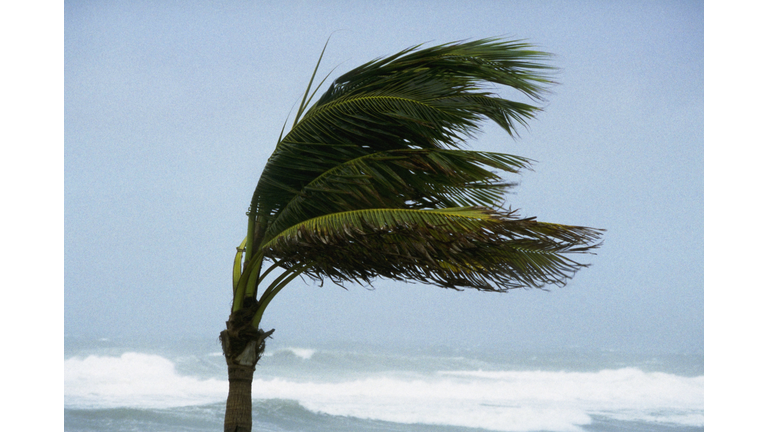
<point>492,400</point>
<point>302,353</point>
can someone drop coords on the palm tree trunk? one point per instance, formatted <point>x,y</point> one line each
<point>242,349</point>
<point>238,416</point>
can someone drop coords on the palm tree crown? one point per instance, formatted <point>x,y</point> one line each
<point>374,179</point>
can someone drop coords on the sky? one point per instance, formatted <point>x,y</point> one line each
<point>171,109</point>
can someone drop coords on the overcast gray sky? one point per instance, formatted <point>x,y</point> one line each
<point>172,108</point>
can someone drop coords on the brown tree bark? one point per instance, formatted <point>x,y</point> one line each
<point>242,350</point>
<point>238,416</point>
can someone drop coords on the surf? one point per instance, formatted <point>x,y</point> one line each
<point>498,400</point>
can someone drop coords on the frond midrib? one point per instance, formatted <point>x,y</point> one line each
<point>451,212</point>
<point>316,180</point>
<point>329,107</point>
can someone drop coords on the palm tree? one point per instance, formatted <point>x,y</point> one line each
<point>374,180</point>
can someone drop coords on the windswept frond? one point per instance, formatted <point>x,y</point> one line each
<point>420,98</point>
<point>454,248</point>
<point>415,179</point>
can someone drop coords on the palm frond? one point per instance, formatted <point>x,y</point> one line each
<point>420,98</point>
<point>454,248</point>
<point>416,179</point>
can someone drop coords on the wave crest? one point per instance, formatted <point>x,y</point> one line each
<point>492,400</point>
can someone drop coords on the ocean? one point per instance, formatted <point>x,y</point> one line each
<point>181,385</point>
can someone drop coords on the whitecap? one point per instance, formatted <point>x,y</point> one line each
<point>507,400</point>
<point>134,380</point>
<point>504,401</point>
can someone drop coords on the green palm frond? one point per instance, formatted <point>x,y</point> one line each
<point>428,98</point>
<point>458,247</point>
<point>402,179</point>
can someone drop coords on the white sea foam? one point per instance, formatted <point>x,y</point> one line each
<point>494,400</point>
<point>505,401</point>
<point>134,380</point>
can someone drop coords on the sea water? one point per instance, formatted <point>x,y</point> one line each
<point>181,385</point>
